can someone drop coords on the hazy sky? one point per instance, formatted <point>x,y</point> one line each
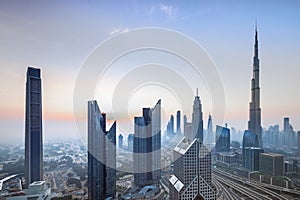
<point>57,36</point>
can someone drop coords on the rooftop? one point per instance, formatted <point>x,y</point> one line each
<point>184,145</point>
<point>272,154</point>
<point>37,183</point>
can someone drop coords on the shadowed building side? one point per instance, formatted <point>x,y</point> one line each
<point>101,155</point>
<point>33,127</point>
<point>146,146</point>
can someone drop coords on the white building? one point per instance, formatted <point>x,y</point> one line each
<point>37,190</point>
<point>192,172</point>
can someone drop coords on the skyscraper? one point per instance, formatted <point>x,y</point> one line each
<point>184,120</point>
<point>33,127</point>
<point>249,140</point>
<point>192,178</point>
<point>178,119</point>
<point>210,136</point>
<point>222,139</point>
<point>197,120</point>
<point>188,132</point>
<point>251,158</point>
<point>146,146</point>
<point>120,141</point>
<point>298,141</point>
<point>192,172</point>
<point>170,127</point>
<point>254,124</point>
<point>172,123</point>
<point>130,142</point>
<point>289,134</point>
<point>101,154</point>
<point>156,142</point>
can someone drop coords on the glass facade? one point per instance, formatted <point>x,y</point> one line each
<point>33,127</point>
<point>147,146</point>
<point>101,155</point>
<point>222,139</point>
<point>250,139</point>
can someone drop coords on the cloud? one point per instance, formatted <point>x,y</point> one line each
<point>170,11</point>
<point>118,30</point>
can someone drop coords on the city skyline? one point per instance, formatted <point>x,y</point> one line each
<point>232,57</point>
<point>181,120</point>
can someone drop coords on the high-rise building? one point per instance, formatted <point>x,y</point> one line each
<point>197,120</point>
<point>210,136</point>
<point>170,127</point>
<point>101,155</point>
<point>178,119</point>
<point>251,158</point>
<point>298,139</point>
<point>289,134</point>
<point>146,146</point>
<point>156,142</point>
<point>254,124</point>
<point>184,120</point>
<point>188,130</point>
<point>130,142</point>
<point>249,140</point>
<point>192,178</point>
<point>271,164</point>
<point>273,136</point>
<point>33,127</point>
<point>120,141</point>
<point>222,139</point>
<point>286,124</point>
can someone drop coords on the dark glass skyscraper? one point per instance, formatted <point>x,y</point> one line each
<point>249,140</point>
<point>146,146</point>
<point>101,155</point>
<point>222,139</point>
<point>254,124</point>
<point>178,119</point>
<point>130,142</point>
<point>251,158</point>
<point>121,141</point>
<point>33,127</point>
<point>170,127</point>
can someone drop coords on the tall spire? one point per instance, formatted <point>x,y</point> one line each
<point>197,120</point>
<point>254,124</point>
<point>256,42</point>
<point>255,25</point>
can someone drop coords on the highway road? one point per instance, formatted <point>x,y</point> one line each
<point>224,192</point>
<point>246,187</point>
